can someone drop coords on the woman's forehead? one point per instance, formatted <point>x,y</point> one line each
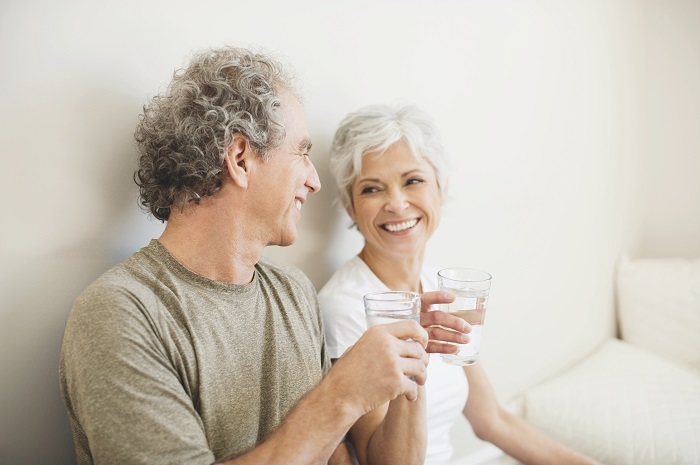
<point>395,159</point>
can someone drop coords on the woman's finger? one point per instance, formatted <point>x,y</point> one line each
<point>428,299</point>
<point>444,319</point>
<point>437,333</point>
<point>437,347</point>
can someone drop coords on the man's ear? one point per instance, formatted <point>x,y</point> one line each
<point>236,160</point>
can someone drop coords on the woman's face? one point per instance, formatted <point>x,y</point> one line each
<point>396,202</point>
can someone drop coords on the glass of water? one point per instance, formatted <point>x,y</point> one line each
<point>391,307</point>
<point>471,290</point>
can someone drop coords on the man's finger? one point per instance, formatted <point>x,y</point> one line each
<point>410,389</point>
<point>416,369</point>
<point>408,329</point>
<point>413,350</point>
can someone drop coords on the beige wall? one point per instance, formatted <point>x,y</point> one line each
<point>670,177</point>
<point>572,127</point>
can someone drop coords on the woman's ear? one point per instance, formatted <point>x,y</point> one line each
<point>350,209</point>
<point>236,158</point>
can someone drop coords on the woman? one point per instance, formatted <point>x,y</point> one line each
<point>390,169</point>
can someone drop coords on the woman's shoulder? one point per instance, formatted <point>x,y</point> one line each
<point>428,277</point>
<point>354,276</point>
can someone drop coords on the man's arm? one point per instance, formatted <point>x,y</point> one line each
<point>375,370</point>
<point>516,437</point>
<point>126,398</point>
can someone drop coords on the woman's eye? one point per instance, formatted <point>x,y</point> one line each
<point>368,190</point>
<point>414,181</point>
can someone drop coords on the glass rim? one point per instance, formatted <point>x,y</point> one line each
<point>487,276</point>
<point>388,296</point>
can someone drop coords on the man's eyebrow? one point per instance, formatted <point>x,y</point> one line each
<point>305,145</point>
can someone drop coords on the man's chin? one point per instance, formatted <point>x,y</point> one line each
<point>285,241</point>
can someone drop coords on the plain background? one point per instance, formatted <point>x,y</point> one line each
<point>573,128</point>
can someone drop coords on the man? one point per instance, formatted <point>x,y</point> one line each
<point>196,349</point>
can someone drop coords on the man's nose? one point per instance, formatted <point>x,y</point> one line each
<point>313,182</point>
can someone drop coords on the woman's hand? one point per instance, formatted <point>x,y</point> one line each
<point>444,329</point>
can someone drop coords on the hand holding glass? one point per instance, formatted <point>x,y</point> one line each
<point>471,290</point>
<point>391,307</point>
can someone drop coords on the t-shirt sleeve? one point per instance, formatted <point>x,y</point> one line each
<point>343,314</point>
<point>122,391</point>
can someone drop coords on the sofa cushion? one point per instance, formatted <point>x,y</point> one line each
<point>659,306</point>
<point>623,405</point>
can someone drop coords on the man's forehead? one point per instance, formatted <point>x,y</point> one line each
<point>294,120</point>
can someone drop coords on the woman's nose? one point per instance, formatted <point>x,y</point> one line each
<point>396,202</point>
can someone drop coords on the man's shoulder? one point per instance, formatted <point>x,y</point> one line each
<point>130,280</point>
<point>131,270</point>
<point>272,269</point>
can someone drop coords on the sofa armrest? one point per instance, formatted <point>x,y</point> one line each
<point>622,405</point>
<point>658,304</point>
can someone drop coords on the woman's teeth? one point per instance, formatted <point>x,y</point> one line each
<point>396,227</point>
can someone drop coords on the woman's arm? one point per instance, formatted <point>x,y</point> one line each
<point>393,433</point>
<point>396,432</point>
<point>516,437</point>
<point>341,455</point>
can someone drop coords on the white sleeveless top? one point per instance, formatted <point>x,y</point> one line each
<point>343,314</point>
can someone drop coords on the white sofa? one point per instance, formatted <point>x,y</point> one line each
<point>636,399</point>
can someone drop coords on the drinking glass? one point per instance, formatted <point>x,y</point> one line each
<point>471,290</point>
<point>391,307</point>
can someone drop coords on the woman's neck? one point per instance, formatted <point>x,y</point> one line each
<point>398,273</point>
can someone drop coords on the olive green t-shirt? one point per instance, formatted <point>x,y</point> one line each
<point>162,366</point>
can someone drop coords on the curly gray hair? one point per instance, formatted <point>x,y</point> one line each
<point>375,128</point>
<point>184,133</point>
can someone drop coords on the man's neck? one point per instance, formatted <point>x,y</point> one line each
<point>207,243</point>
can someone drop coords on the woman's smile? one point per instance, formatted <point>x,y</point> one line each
<point>401,226</point>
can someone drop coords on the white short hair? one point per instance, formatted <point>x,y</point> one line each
<point>375,128</point>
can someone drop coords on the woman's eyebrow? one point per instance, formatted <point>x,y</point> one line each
<point>403,175</point>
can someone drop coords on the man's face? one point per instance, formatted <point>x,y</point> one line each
<point>282,183</point>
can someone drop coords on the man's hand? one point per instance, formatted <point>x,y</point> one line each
<point>379,367</point>
<point>444,329</point>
